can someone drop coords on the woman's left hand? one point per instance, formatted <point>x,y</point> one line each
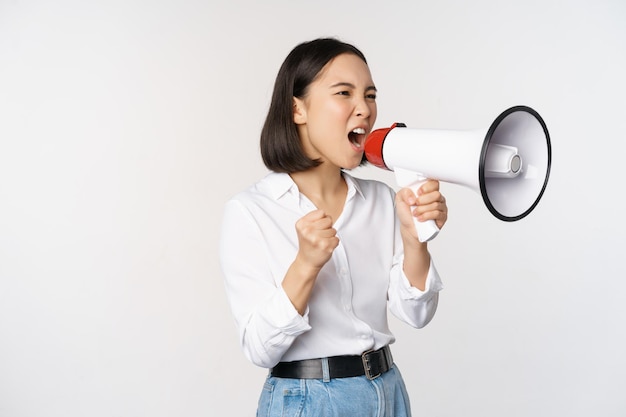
<point>429,204</point>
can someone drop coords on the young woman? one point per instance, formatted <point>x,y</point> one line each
<point>313,257</point>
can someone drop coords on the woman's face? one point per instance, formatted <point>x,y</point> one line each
<point>338,112</point>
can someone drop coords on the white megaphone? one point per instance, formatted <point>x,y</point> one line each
<point>508,163</point>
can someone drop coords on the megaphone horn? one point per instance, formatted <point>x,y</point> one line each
<point>507,163</point>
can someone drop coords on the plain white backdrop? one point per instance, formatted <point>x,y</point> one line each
<point>126,125</point>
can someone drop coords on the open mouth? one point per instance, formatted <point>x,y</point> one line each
<point>357,137</point>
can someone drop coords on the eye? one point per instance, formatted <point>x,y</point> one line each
<point>371,96</point>
<point>344,93</point>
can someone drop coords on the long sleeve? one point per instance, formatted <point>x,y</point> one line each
<point>409,304</point>
<point>267,321</point>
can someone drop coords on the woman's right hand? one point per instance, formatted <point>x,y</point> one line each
<point>317,238</point>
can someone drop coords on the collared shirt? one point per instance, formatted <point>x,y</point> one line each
<point>347,309</point>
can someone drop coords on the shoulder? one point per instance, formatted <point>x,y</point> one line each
<point>272,186</point>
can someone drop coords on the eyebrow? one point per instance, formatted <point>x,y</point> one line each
<point>350,85</point>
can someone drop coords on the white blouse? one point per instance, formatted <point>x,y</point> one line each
<point>347,310</point>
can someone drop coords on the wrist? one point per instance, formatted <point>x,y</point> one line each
<point>304,269</point>
<point>410,240</point>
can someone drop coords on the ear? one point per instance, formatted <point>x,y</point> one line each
<point>299,111</point>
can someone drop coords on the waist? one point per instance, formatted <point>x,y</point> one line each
<point>371,363</point>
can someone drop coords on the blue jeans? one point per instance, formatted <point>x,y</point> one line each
<point>384,396</point>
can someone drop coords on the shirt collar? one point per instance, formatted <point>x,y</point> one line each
<point>281,184</point>
<point>353,185</point>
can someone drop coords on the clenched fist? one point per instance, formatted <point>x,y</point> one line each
<point>316,237</point>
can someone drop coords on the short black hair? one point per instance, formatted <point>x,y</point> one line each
<point>281,148</point>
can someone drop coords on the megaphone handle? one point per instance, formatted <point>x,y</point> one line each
<point>426,230</point>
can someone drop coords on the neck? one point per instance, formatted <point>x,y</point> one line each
<point>326,189</point>
<point>320,182</point>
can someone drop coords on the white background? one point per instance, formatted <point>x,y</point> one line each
<point>126,125</point>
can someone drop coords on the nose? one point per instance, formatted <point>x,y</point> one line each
<point>362,108</point>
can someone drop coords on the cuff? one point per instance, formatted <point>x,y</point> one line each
<point>283,315</point>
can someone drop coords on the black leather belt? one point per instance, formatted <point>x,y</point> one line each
<point>372,364</point>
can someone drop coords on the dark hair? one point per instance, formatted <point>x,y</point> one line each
<point>281,148</point>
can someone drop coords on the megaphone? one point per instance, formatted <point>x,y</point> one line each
<point>507,163</point>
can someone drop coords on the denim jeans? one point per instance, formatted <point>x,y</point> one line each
<point>384,396</point>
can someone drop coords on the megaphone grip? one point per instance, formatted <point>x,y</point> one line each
<point>426,230</point>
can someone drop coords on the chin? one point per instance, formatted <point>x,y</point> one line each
<point>352,165</point>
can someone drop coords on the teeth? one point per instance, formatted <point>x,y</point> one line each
<point>359,131</point>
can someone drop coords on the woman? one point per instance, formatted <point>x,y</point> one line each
<point>313,257</point>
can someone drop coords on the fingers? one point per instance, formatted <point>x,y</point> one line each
<point>437,210</point>
<point>428,204</point>
<point>317,238</point>
<point>316,222</point>
<point>407,196</point>
<point>428,193</point>
<point>428,187</point>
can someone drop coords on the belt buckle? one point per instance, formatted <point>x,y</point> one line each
<point>366,365</point>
